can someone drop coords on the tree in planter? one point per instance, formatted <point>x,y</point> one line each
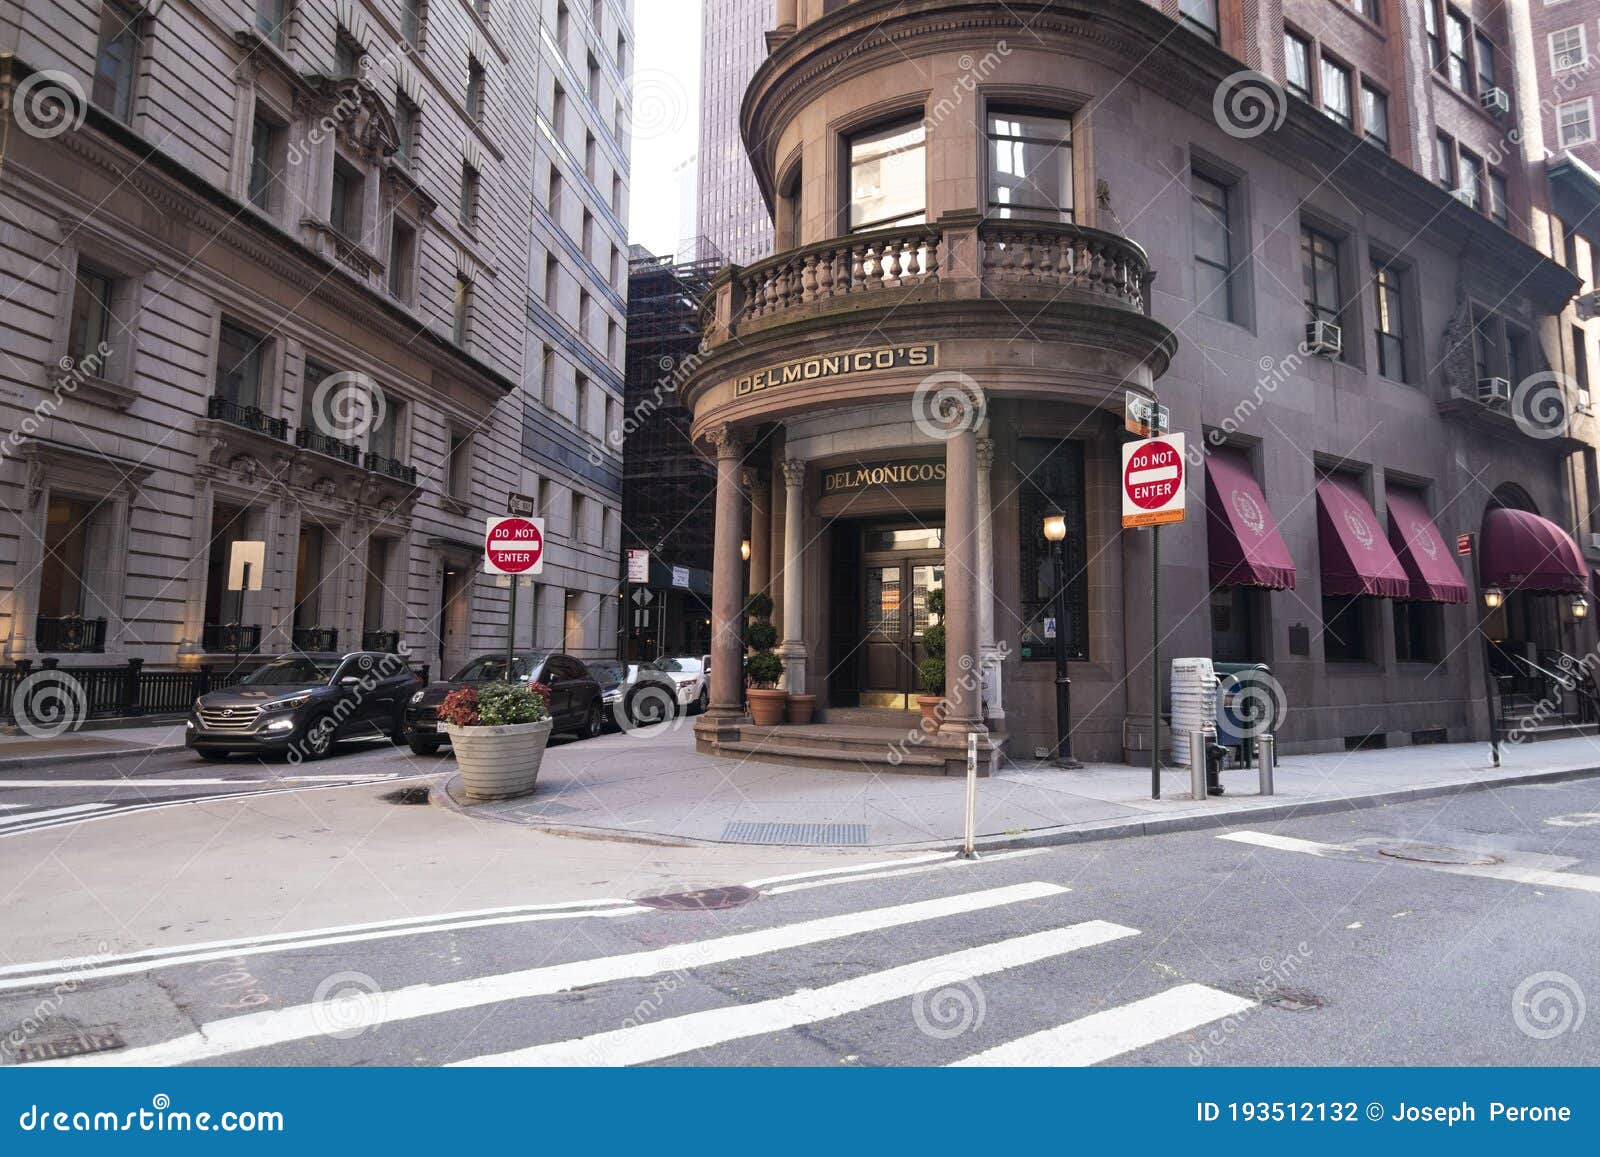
<point>763,668</point>
<point>931,671</point>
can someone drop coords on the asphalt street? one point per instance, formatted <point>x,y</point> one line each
<point>1438,932</point>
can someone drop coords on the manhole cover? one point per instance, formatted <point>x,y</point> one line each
<point>407,796</point>
<point>1294,1000</point>
<point>1437,854</point>
<point>702,899</point>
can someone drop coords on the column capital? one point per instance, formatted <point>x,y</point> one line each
<point>985,454</point>
<point>794,472</point>
<point>728,439</point>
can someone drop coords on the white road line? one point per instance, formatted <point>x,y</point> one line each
<point>681,1034</point>
<point>950,861</point>
<point>1111,1033</point>
<point>847,869</point>
<point>76,809</point>
<point>262,1029</point>
<point>133,781</point>
<point>1511,873</point>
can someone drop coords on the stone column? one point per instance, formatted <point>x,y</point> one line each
<point>963,709</point>
<point>727,586</point>
<point>794,643</point>
<point>195,570</point>
<point>760,531</point>
<point>987,645</point>
<point>786,14</point>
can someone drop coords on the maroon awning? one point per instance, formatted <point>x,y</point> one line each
<point>1435,578</point>
<point>1245,546</point>
<point>1356,558</point>
<point>1523,552</point>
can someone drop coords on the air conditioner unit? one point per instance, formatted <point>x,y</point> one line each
<point>1495,100</point>
<point>1494,392</point>
<point>1594,542</point>
<point>1324,338</point>
<point>1467,195</point>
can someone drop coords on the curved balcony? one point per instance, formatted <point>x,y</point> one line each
<point>955,259</point>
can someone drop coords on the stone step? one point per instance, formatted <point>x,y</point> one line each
<point>1554,729</point>
<point>774,751</point>
<point>864,739</point>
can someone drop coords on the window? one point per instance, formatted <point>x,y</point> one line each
<point>1201,17</point>
<point>1371,9</point>
<point>1483,52</point>
<point>402,260</point>
<point>1052,479</point>
<point>1580,364</point>
<point>1320,273</point>
<point>411,21</point>
<point>312,375</point>
<point>587,235</point>
<point>1345,621</point>
<point>1569,48</point>
<point>1030,166</point>
<point>458,467</point>
<point>89,336</point>
<point>580,416</point>
<point>1297,65</point>
<point>347,54</point>
<point>1457,31</point>
<point>384,438</point>
<point>585,310</point>
<point>552,279</point>
<point>475,84</point>
<point>616,195</point>
<point>1430,24</point>
<point>592,77</point>
<point>563,26</point>
<point>1575,122</point>
<point>621,54</point>
<point>266,160</point>
<point>1388,284</point>
<point>407,116</point>
<point>1516,355</point>
<point>547,380</point>
<point>558,113</point>
<point>461,316</point>
<point>1213,247</point>
<point>1375,116</point>
<point>888,177</point>
<point>1444,162</point>
<point>1236,613</point>
<point>344,211</point>
<point>272,20</point>
<point>116,59</point>
<point>1472,192</point>
<point>1336,92</point>
<point>240,355</point>
<point>470,185</point>
<point>557,190</point>
<point>1418,632</point>
<point>1499,206</point>
<point>66,562</point>
<point>589,156</point>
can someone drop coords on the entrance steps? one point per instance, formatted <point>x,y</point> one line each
<point>885,750</point>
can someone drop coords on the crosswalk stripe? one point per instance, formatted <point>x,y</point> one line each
<point>279,1026</point>
<point>76,809</point>
<point>1115,1031</point>
<point>643,1043</point>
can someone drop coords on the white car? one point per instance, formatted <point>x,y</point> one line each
<point>690,675</point>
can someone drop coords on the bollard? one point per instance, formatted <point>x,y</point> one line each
<point>1198,743</point>
<point>969,849</point>
<point>1265,750</point>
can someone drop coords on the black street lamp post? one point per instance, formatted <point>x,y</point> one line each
<point>1055,531</point>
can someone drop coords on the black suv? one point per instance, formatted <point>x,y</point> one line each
<point>304,703</point>
<point>574,705</point>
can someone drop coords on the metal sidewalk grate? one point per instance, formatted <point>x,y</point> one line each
<point>817,835</point>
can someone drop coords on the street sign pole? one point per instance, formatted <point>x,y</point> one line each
<point>511,633</point>
<point>1155,662</point>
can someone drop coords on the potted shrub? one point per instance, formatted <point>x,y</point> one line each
<point>498,733</point>
<point>930,672</point>
<point>762,667</point>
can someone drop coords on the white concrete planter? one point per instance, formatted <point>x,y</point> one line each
<point>499,762</point>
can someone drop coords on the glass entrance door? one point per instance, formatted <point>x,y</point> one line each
<point>897,583</point>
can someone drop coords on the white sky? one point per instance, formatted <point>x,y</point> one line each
<point>666,115</point>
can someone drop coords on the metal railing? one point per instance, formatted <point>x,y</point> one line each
<point>45,694</point>
<point>391,468</point>
<point>386,641</point>
<point>315,638</point>
<point>72,634</point>
<point>246,417</point>
<point>308,439</point>
<point>220,638</point>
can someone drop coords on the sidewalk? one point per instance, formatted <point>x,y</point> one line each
<point>27,751</point>
<point>660,789</point>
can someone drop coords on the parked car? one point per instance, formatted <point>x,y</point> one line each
<point>575,698</point>
<point>690,675</point>
<point>634,695</point>
<point>304,702</point>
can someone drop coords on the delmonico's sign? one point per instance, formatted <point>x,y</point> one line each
<point>851,479</point>
<point>845,364</point>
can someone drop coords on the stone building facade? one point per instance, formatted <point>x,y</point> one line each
<point>1295,223</point>
<point>293,272</point>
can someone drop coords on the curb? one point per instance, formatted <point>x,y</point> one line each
<point>1091,832</point>
<point>25,761</point>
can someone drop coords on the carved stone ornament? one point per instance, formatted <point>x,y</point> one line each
<point>1457,359</point>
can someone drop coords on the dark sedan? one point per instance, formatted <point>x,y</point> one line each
<point>634,695</point>
<point>303,704</point>
<point>575,697</point>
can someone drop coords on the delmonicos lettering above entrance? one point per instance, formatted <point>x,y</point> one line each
<point>848,479</point>
<point>846,363</point>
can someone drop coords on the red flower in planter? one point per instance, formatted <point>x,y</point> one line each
<point>460,708</point>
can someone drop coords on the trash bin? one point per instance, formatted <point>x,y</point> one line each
<point>1244,711</point>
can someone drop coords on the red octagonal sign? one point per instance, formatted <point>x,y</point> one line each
<point>1152,481</point>
<point>514,545</point>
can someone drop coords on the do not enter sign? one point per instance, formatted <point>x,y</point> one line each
<point>514,545</point>
<point>1152,481</point>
